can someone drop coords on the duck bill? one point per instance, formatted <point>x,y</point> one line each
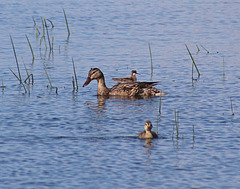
<point>87,82</point>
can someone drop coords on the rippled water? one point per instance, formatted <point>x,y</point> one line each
<point>77,140</point>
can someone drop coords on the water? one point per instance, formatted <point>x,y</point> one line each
<point>77,140</point>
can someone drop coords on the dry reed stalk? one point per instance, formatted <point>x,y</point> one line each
<point>150,52</point>
<point>30,49</point>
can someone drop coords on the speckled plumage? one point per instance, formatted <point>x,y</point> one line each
<point>147,134</point>
<point>133,89</point>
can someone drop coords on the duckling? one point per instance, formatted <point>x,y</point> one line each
<point>133,89</point>
<point>147,134</point>
<point>133,78</point>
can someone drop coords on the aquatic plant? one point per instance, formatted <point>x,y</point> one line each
<point>150,52</point>
<point>66,24</point>
<point>193,61</point>
<point>30,49</point>
<point>75,76</point>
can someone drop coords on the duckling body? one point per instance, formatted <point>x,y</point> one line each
<point>133,78</point>
<point>133,89</point>
<point>147,134</point>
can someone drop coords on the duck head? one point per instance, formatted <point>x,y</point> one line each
<point>94,73</point>
<point>148,126</point>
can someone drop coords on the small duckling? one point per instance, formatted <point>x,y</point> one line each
<point>147,134</point>
<point>133,78</point>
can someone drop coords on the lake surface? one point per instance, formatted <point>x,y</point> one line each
<point>74,139</point>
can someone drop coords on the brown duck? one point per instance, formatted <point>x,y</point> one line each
<point>133,89</point>
<point>133,78</point>
<point>148,134</point>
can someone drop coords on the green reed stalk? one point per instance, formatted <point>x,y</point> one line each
<point>66,23</point>
<point>34,21</point>
<point>30,49</point>
<point>231,106</point>
<point>150,52</point>
<point>37,32</point>
<point>75,75</point>
<point>193,60</point>
<point>19,73</point>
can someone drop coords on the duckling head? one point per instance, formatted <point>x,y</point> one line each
<point>148,126</point>
<point>94,73</point>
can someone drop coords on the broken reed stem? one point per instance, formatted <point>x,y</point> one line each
<point>66,23</point>
<point>31,75</point>
<point>20,79</point>
<point>231,106</point>
<point>34,21</point>
<point>150,52</point>
<point>193,60</point>
<point>75,75</point>
<point>205,49</point>
<point>51,23</point>
<point>30,49</point>
<point>198,50</point>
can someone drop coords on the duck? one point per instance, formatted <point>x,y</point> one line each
<point>133,89</point>
<point>133,78</point>
<point>147,134</point>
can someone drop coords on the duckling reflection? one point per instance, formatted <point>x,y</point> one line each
<point>147,134</point>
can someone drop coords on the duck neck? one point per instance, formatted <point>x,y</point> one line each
<point>102,88</point>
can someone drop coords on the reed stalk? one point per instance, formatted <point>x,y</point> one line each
<point>150,52</point>
<point>193,60</point>
<point>160,105</point>
<point>73,83</point>
<point>37,32</point>
<point>48,78</point>
<point>177,122</point>
<point>75,74</point>
<point>30,49</point>
<point>198,50</point>
<point>34,21</point>
<point>19,73</point>
<point>205,49</point>
<point>231,106</point>
<point>21,83</point>
<point>66,24</point>
<point>48,37</point>
<point>51,23</point>
<point>193,135</point>
<point>223,69</point>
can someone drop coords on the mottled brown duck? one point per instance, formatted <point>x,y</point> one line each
<point>133,89</point>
